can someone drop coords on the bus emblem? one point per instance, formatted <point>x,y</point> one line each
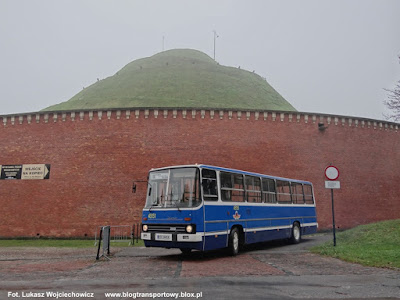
<point>151,216</point>
<point>236,216</point>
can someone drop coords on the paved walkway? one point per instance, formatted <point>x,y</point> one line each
<point>267,271</point>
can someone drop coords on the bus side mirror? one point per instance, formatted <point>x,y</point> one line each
<point>134,188</point>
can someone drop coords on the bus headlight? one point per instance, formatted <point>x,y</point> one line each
<point>145,228</point>
<point>189,229</point>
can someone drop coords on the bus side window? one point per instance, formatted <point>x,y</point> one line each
<point>238,188</point>
<point>308,194</point>
<point>253,189</point>
<point>226,186</point>
<point>297,193</point>
<point>283,189</point>
<point>269,190</point>
<point>232,187</point>
<point>209,184</point>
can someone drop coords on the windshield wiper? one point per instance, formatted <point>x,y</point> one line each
<point>176,205</point>
<point>151,206</point>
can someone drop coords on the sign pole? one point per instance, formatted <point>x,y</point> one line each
<point>332,174</point>
<point>333,220</point>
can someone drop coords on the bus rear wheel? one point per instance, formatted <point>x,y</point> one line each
<point>296,233</point>
<point>233,244</point>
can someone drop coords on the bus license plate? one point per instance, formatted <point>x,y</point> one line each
<point>163,237</point>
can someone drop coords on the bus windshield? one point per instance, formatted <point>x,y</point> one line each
<point>178,187</point>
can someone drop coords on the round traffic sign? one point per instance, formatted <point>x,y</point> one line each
<point>332,173</point>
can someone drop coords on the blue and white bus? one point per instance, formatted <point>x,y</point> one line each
<point>206,207</point>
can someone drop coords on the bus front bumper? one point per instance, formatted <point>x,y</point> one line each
<point>172,237</point>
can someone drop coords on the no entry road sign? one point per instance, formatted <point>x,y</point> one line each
<point>331,173</point>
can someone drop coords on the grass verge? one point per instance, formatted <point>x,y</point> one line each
<point>375,245</point>
<point>61,243</point>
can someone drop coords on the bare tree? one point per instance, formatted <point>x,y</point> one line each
<point>393,102</point>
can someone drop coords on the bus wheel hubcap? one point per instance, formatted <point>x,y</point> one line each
<point>296,232</point>
<point>235,241</point>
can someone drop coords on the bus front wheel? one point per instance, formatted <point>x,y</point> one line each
<point>233,244</point>
<point>296,233</point>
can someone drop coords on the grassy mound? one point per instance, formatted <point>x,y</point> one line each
<point>376,245</point>
<point>181,79</point>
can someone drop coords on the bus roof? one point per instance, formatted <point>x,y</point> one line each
<point>232,170</point>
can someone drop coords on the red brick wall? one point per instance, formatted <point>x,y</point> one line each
<point>93,163</point>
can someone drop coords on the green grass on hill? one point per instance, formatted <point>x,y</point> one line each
<point>60,243</point>
<point>180,78</point>
<point>376,245</point>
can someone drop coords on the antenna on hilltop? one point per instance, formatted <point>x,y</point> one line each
<point>215,37</point>
<point>163,42</point>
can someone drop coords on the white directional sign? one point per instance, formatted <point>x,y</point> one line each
<point>28,171</point>
<point>34,171</point>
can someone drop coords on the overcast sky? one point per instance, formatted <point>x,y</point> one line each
<point>332,57</point>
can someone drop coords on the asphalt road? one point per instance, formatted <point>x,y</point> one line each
<point>266,271</point>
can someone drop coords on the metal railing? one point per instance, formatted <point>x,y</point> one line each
<point>121,233</point>
<point>105,237</point>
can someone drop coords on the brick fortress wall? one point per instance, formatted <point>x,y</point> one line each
<point>95,155</point>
